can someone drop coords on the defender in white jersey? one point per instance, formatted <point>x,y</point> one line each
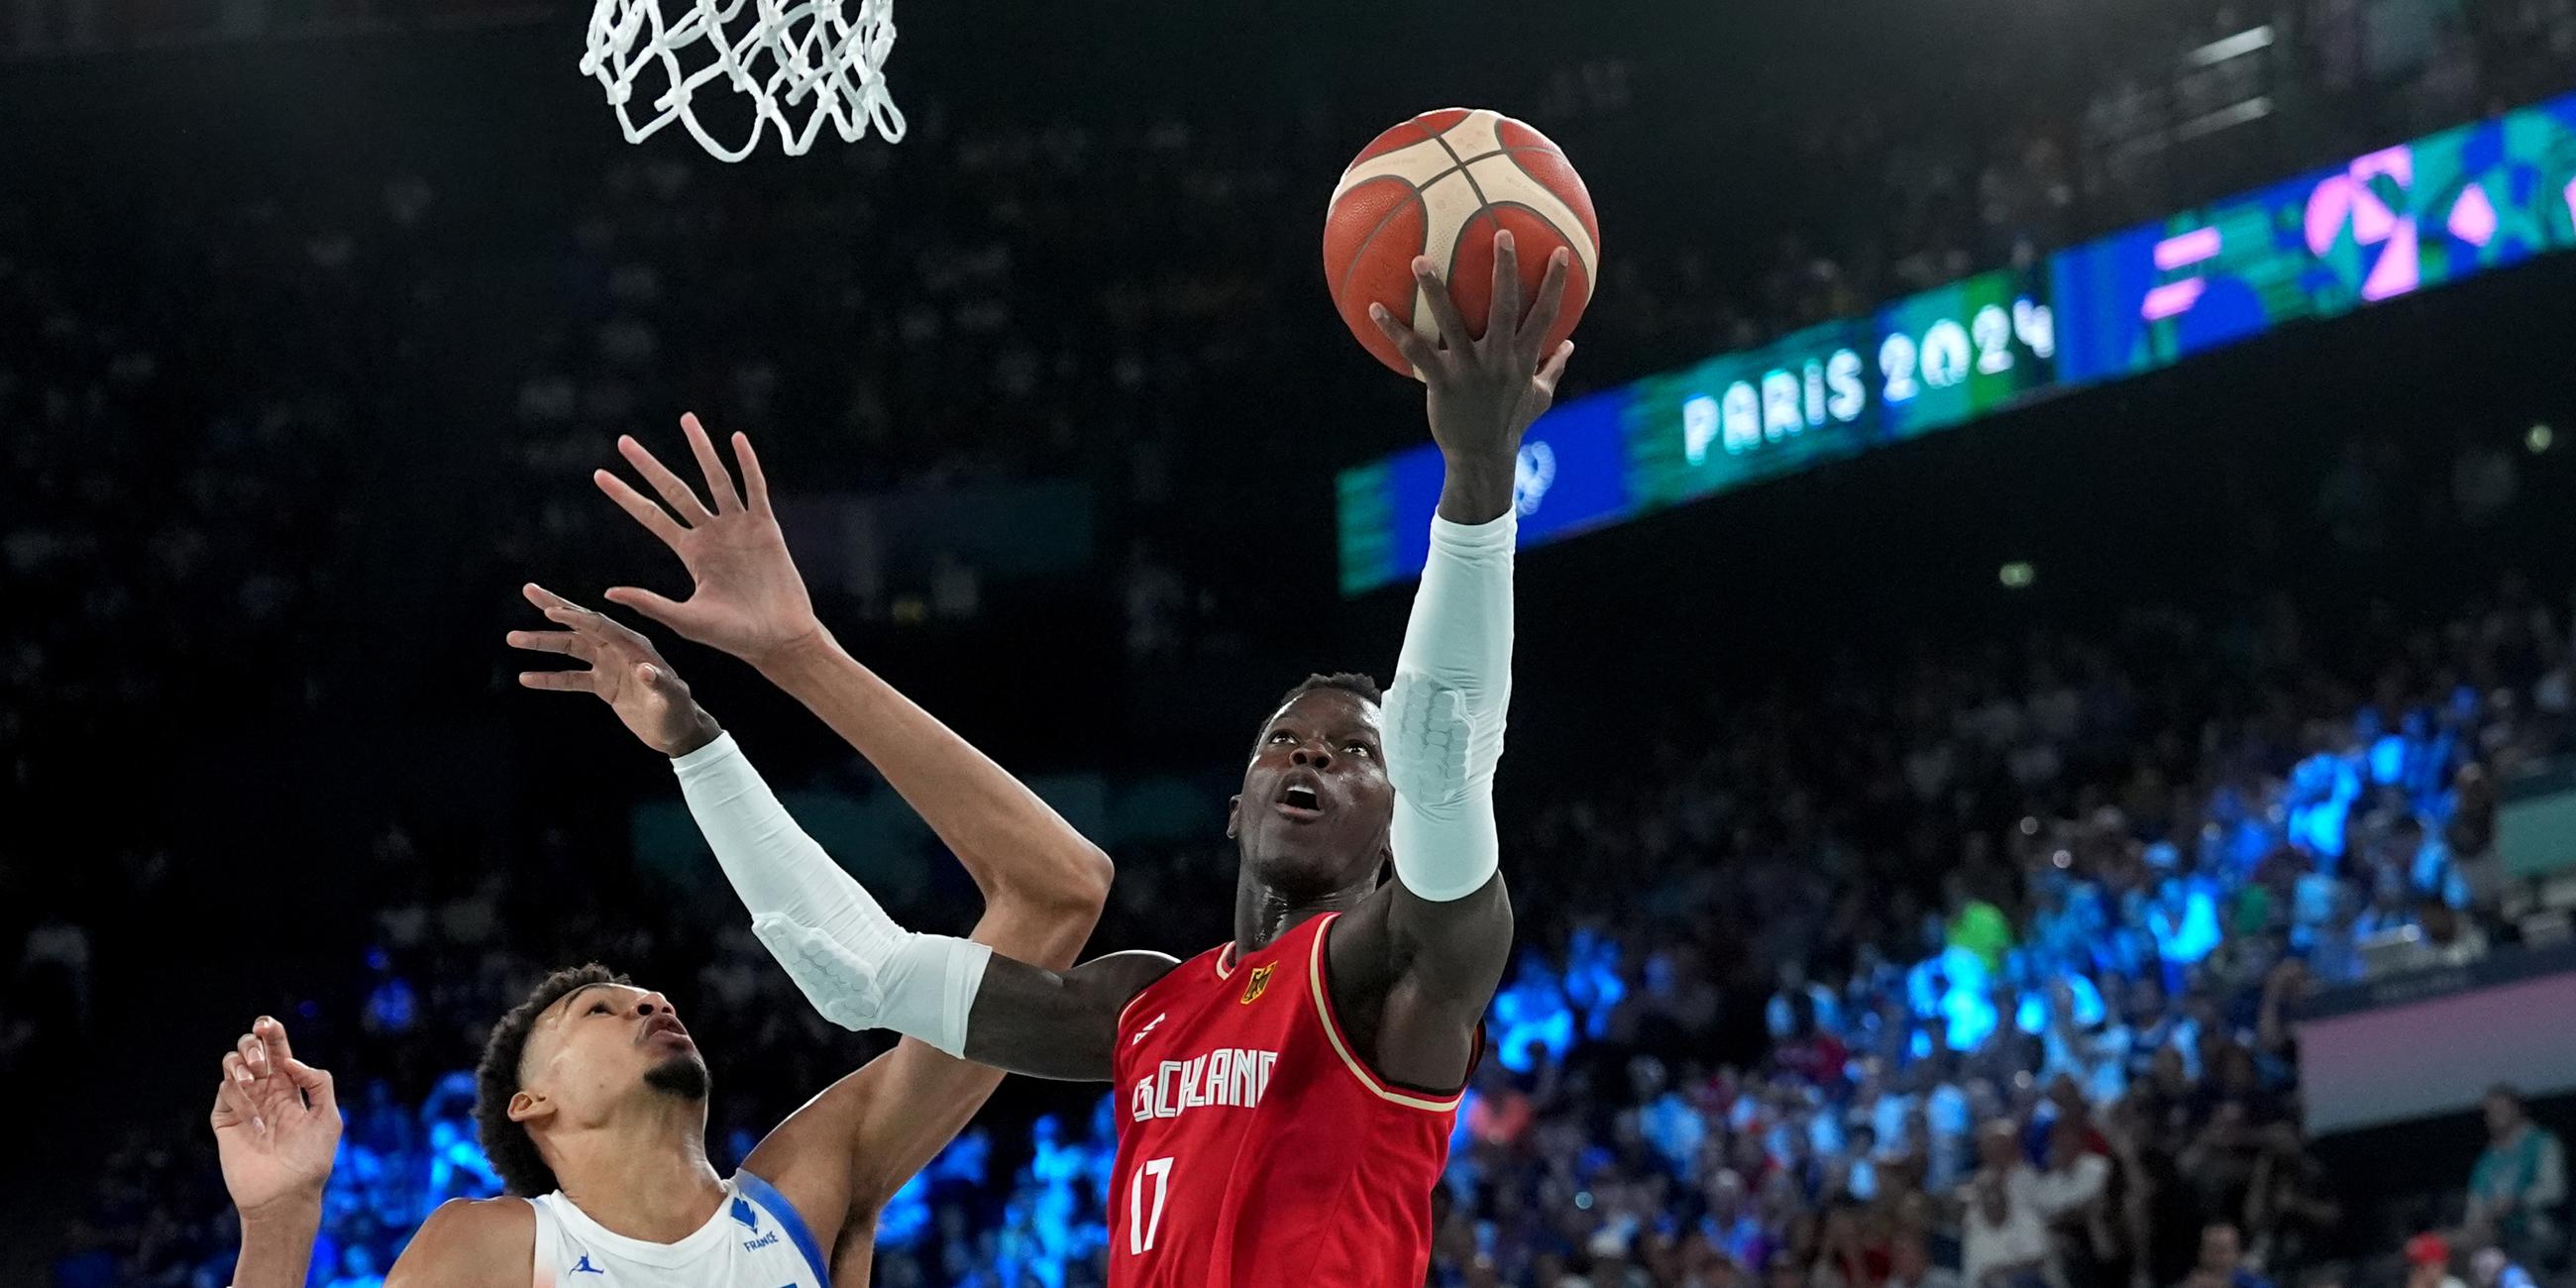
<point>755,1237</point>
<point>593,1102</point>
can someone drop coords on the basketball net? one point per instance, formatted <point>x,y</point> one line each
<point>801,63</point>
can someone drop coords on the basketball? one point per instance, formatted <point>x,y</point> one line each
<point>1442,184</point>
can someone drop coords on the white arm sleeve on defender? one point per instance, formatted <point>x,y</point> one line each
<point>857,967</point>
<point>1444,713</point>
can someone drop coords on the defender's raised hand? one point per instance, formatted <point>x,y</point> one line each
<point>624,670</point>
<point>748,598</point>
<point>277,1126</point>
<point>1485,391</point>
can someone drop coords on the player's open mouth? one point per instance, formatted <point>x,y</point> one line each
<point>662,1026</point>
<point>1301,802</point>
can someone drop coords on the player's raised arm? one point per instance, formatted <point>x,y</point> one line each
<point>845,1152</point>
<point>748,599</point>
<point>1043,883</point>
<point>862,970</point>
<point>1442,930</point>
<point>276,1130</point>
<point>858,967</point>
<point>619,667</point>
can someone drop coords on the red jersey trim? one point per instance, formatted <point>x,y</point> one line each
<point>1333,1034</point>
<point>1225,962</point>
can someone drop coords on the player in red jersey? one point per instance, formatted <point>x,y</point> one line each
<point>1286,1098</point>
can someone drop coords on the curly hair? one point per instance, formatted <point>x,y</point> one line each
<point>496,1079</point>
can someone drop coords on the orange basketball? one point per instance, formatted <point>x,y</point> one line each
<point>1441,185</point>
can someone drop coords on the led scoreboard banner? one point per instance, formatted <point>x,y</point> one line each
<point>1938,359</point>
<point>2386,224</point>
<point>2440,209</point>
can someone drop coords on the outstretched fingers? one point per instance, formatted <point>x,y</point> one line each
<point>1554,371</point>
<point>565,643</point>
<point>601,629</point>
<point>654,518</point>
<point>1417,352</point>
<point>675,493</point>
<point>1444,308</point>
<point>545,600</point>
<point>1503,313</point>
<point>589,636</point>
<point>753,481</point>
<point>719,480</point>
<point>660,609</point>
<point>1549,306</point>
<point>610,642</point>
<point>560,681</point>
<point>589,622</point>
<point>584,628</point>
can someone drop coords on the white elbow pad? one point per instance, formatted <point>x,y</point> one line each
<point>1427,738</point>
<point>920,985</point>
<point>858,968</point>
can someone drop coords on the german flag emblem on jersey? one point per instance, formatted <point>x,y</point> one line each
<point>1259,984</point>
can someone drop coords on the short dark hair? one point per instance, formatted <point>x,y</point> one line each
<point>1352,682</point>
<point>496,1079</point>
<point>1363,687</point>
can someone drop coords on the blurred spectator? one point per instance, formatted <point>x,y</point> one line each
<point>2518,1190</point>
<point>2492,1268</point>
<point>2453,940</point>
<point>2004,1214</point>
<point>2222,1260</point>
<point>2428,1263</point>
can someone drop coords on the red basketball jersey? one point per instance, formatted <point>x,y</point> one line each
<point>1254,1149</point>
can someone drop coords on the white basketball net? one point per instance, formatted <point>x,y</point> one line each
<point>812,60</point>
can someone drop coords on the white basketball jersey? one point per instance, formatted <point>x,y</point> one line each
<point>755,1240</point>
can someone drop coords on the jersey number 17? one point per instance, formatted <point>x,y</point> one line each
<point>1142,1226</point>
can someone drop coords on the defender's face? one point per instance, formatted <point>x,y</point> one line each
<point>1316,802</point>
<point>604,1043</point>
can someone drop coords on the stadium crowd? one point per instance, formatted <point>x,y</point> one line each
<point>2064,1063</point>
<point>962,274</point>
<point>2070,1068</point>
<point>2074,1067</point>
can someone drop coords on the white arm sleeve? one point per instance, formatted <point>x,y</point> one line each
<point>1444,712</point>
<point>857,967</point>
